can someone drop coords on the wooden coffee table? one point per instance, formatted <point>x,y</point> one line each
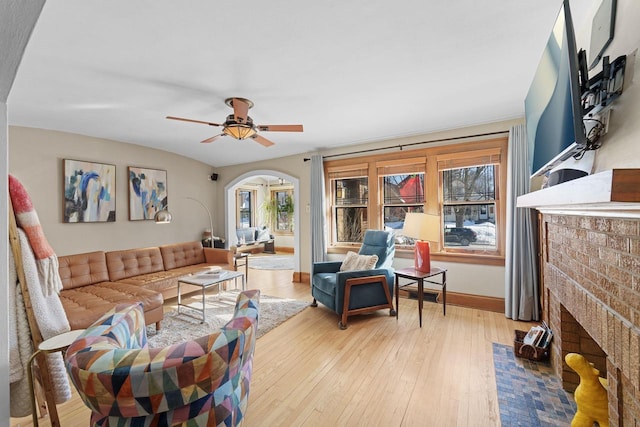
<point>207,280</point>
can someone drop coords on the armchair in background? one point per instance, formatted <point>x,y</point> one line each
<point>200,382</point>
<point>349,292</point>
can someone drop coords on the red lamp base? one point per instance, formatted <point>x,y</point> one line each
<point>422,256</point>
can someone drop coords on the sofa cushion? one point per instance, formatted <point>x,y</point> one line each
<point>326,282</point>
<point>247,235</point>
<point>133,262</point>
<point>182,254</point>
<point>165,282</point>
<point>82,269</point>
<point>263,235</point>
<point>84,305</point>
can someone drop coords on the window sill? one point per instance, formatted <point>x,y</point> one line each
<point>457,257</point>
<point>463,258</point>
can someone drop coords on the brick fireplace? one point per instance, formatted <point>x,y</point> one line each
<point>590,261</point>
<point>592,301</point>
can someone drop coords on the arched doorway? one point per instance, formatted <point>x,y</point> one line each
<point>230,204</point>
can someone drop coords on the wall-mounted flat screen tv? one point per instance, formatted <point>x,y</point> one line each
<point>553,110</point>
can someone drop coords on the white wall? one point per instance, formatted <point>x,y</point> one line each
<point>620,147</point>
<point>36,159</point>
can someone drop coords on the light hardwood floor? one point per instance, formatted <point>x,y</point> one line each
<point>378,372</point>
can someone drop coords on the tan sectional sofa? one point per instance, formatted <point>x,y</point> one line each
<point>94,282</point>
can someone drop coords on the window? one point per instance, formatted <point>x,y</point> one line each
<point>469,200</point>
<point>245,208</point>
<point>461,183</point>
<point>284,210</point>
<point>402,184</point>
<point>467,215</point>
<point>350,198</point>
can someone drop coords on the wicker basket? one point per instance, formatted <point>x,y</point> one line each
<point>528,351</point>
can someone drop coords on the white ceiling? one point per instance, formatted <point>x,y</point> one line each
<point>350,71</point>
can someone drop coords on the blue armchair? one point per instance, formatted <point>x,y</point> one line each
<point>358,291</point>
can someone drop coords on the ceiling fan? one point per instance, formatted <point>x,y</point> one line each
<point>240,126</point>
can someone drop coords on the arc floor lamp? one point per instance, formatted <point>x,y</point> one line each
<point>164,216</point>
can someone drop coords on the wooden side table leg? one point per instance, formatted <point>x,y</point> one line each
<point>397,289</point>
<point>47,385</point>
<point>32,392</point>
<point>444,293</point>
<point>203,301</point>
<point>420,299</point>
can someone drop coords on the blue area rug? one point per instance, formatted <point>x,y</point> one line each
<point>271,262</point>
<point>529,393</point>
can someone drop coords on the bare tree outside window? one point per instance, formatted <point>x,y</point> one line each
<point>469,206</point>
<point>350,204</point>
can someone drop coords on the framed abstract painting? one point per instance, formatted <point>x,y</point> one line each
<point>147,192</point>
<point>89,191</point>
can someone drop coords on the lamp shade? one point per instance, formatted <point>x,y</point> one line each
<point>239,131</point>
<point>423,228</point>
<point>162,217</point>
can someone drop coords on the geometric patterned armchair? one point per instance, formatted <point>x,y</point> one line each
<point>357,291</point>
<point>203,382</point>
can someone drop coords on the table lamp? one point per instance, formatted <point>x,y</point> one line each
<point>424,228</point>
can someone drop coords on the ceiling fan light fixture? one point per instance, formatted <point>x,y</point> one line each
<point>240,126</point>
<point>239,131</point>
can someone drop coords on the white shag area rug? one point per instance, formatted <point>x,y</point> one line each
<point>187,325</point>
<point>271,262</point>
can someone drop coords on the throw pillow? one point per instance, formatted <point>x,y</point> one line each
<point>263,234</point>
<point>354,261</point>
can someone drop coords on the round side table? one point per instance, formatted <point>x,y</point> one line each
<point>51,345</point>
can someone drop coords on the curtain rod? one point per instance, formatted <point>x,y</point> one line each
<point>401,146</point>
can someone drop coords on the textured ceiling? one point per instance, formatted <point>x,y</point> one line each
<point>349,71</point>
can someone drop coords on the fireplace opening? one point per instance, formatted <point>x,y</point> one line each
<point>575,339</point>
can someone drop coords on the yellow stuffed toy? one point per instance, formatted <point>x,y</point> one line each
<point>590,395</point>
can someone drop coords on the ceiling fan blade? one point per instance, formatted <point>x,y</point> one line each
<point>213,138</point>
<point>280,128</point>
<point>262,140</point>
<point>194,121</point>
<point>240,110</point>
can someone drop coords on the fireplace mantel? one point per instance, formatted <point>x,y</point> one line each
<point>614,192</point>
